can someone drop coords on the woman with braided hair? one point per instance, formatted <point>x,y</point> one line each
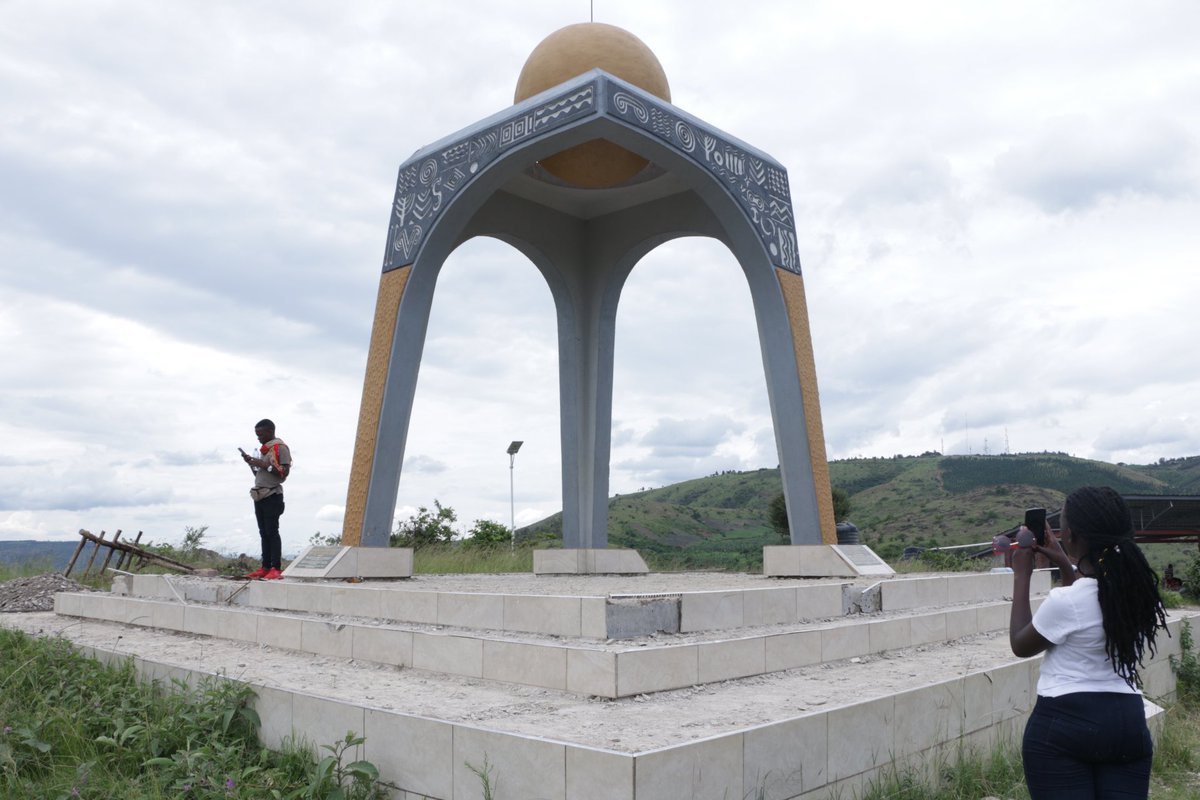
<point>1087,736</point>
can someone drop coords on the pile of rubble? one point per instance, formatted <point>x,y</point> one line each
<point>36,593</point>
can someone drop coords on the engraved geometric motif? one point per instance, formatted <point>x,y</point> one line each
<point>426,185</point>
<point>761,189</point>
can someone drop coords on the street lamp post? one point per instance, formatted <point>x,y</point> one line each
<point>512,507</point>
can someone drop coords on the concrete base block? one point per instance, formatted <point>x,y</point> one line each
<point>384,562</point>
<point>585,561</point>
<point>352,562</point>
<point>630,617</point>
<point>822,561</point>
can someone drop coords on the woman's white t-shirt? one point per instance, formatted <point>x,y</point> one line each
<point>1070,618</point>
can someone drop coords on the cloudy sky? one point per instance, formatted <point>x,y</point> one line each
<point>998,209</point>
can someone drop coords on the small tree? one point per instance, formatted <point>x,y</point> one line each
<point>777,516</point>
<point>485,532</point>
<point>841,504</point>
<point>425,527</point>
<point>192,537</point>
<point>777,511</point>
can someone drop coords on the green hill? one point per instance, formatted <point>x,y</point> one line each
<point>929,500</point>
<point>54,555</point>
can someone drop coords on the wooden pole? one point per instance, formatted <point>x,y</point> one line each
<point>126,556</point>
<point>94,552</point>
<point>136,552</point>
<point>137,540</point>
<point>104,566</point>
<point>71,563</point>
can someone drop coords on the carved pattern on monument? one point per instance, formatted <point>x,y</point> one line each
<point>427,184</point>
<point>760,188</point>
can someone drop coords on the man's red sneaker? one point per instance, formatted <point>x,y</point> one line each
<point>272,575</point>
<point>258,573</point>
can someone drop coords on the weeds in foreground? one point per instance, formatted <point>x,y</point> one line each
<point>999,773</point>
<point>71,727</point>
<point>970,776</point>
<point>484,774</point>
<point>333,779</point>
<point>1186,667</point>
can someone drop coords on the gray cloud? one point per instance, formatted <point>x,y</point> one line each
<point>425,464</point>
<point>78,494</point>
<point>692,437</point>
<point>1077,162</point>
<point>189,459</point>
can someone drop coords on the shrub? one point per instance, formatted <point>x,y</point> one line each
<point>487,532</point>
<point>425,527</point>
<point>1186,668</point>
<point>1191,578</point>
<point>1172,599</point>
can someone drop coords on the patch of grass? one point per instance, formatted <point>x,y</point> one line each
<point>942,561</point>
<point>1176,773</point>
<point>71,727</point>
<point>24,569</point>
<point>1172,599</point>
<point>970,776</point>
<point>442,559</point>
<point>1175,776</point>
<point>1186,667</point>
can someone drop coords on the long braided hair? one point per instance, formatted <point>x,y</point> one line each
<point>1129,599</point>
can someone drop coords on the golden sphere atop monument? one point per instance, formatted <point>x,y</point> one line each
<point>575,49</point>
<point>572,51</point>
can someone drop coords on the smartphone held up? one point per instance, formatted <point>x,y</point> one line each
<point>1035,521</point>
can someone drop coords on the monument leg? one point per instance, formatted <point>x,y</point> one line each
<point>586,340</point>
<point>396,410</point>
<point>383,332</point>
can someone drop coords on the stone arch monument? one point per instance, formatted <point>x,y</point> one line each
<point>588,171</point>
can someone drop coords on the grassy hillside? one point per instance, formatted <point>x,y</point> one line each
<point>928,500</point>
<point>52,555</point>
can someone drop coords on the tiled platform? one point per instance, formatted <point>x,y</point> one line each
<point>735,633</point>
<point>597,669</point>
<point>611,615</point>
<point>528,688</point>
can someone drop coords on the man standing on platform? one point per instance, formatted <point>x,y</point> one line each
<point>270,470</point>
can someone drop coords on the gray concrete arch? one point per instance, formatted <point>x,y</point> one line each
<point>484,182</point>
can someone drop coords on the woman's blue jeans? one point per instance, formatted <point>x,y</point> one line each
<point>1086,746</point>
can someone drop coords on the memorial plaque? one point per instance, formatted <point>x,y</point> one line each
<point>351,562</point>
<point>318,557</point>
<point>863,559</point>
<point>322,562</point>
